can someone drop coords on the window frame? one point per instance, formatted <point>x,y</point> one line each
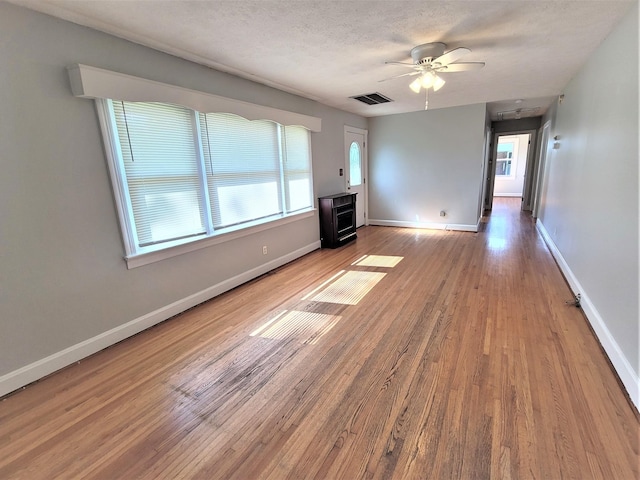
<point>508,160</point>
<point>224,178</point>
<point>135,255</point>
<point>359,152</point>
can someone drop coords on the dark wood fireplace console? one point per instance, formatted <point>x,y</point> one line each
<point>337,219</point>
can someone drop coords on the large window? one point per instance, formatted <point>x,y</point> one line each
<point>185,175</point>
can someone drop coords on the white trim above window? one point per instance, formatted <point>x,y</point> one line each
<point>93,82</point>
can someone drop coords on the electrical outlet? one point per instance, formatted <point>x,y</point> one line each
<point>264,249</point>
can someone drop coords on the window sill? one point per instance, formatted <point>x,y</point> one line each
<point>190,245</point>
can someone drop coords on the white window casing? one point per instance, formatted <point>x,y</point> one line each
<point>185,179</point>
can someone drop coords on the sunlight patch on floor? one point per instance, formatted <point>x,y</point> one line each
<point>323,284</point>
<point>495,243</point>
<point>389,261</point>
<point>350,288</point>
<point>308,327</point>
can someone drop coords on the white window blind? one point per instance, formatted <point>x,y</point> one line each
<point>161,165</point>
<point>182,174</point>
<point>242,161</point>
<point>297,169</point>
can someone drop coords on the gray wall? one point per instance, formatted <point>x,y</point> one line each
<point>521,125</point>
<point>423,162</point>
<point>590,203</point>
<point>63,278</point>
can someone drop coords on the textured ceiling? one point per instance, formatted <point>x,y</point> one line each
<point>331,50</point>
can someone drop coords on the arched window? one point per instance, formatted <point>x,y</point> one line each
<point>355,165</point>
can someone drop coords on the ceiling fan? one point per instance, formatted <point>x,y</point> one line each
<point>429,60</point>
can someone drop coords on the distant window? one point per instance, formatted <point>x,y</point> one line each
<point>504,158</point>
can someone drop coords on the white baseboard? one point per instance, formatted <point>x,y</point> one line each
<point>623,367</point>
<point>428,225</point>
<point>43,367</point>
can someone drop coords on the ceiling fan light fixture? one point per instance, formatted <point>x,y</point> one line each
<point>428,79</point>
<point>438,83</point>
<point>416,85</point>
<point>430,59</point>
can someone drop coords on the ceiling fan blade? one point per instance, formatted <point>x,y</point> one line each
<point>451,56</point>
<point>398,76</point>
<point>460,67</point>
<point>404,64</point>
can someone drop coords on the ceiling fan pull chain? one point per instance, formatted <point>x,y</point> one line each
<point>426,98</point>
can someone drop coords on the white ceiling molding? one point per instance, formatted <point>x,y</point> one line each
<point>93,82</point>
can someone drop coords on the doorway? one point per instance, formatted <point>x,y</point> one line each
<point>511,164</point>
<point>355,153</point>
<point>510,169</point>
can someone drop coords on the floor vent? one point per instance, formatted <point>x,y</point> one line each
<point>372,98</point>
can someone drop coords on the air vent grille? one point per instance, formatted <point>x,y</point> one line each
<point>372,98</point>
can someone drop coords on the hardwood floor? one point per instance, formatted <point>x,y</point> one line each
<point>461,361</point>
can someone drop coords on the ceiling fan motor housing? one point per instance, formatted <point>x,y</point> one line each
<point>426,52</point>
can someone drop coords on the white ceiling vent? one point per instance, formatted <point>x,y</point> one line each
<point>372,98</point>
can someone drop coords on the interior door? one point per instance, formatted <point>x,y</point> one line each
<point>356,169</point>
<point>490,173</point>
<point>541,170</point>
<point>486,166</point>
<point>527,188</point>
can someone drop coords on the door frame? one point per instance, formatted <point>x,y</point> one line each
<point>531,164</point>
<point>365,167</point>
<point>541,167</point>
<point>486,167</point>
<point>529,175</point>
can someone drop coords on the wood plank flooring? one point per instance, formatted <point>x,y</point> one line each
<point>462,361</point>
